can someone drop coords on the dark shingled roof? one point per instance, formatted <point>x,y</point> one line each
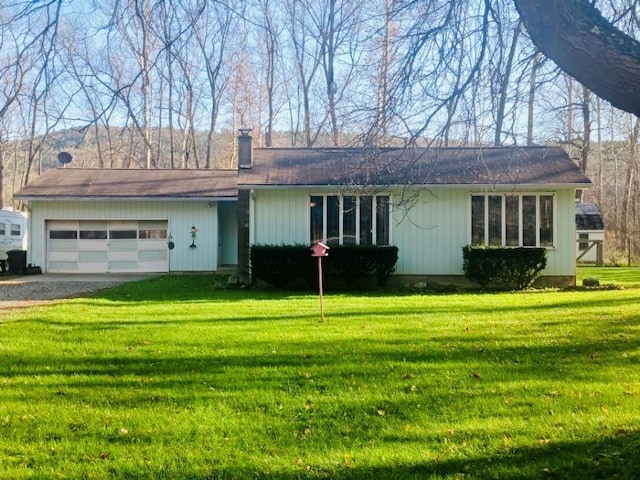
<point>113,184</point>
<point>588,217</point>
<point>414,166</point>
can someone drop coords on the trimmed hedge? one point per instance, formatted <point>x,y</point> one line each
<point>503,267</point>
<point>293,265</point>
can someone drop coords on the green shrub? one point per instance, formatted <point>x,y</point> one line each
<point>279,265</point>
<point>504,267</point>
<point>293,265</point>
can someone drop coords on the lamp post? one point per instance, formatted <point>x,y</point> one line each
<point>319,250</point>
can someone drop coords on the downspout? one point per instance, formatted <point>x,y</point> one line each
<point>29,236</point>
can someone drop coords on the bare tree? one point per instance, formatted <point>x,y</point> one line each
<point>213,31</point>
<point>307,52</point>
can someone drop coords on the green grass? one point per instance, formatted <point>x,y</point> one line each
<point>625,276</point>
<point>174,378</point>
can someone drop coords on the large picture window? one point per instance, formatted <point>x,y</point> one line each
<point>525,220</point>
<point>350,219</point>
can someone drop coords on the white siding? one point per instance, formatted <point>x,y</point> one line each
<point>429,228</point>
<point>431,234</point>
<point>562,260</point>
<point>280,217</point>
<point>181,215</point>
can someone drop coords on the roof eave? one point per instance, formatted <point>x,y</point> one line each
<point>483,186</point>
<point>156,198</point>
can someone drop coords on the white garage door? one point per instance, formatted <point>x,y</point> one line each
<point>101,246</point>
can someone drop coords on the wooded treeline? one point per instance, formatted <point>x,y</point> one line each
<point>156,84</point>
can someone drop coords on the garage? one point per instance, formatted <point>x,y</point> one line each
<point>98,246</point>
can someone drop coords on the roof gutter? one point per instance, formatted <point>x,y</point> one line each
<point>89,198</point>
<point>466,186</point>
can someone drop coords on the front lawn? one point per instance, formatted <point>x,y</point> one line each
<point>173,378</point>
<point>625,276</point>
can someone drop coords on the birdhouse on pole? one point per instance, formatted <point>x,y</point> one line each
<point>319,250</point>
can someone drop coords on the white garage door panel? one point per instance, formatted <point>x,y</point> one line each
<point>93,245</point>
<point>63,266</point>
<point>63,256</point>
<point>100,246</point>
<point>123,266</point>
<point>63,245</point>
<point>123,245</point>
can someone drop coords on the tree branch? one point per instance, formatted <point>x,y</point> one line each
<point>575,35</point>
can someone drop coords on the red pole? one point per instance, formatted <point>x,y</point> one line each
<point>320,284</point>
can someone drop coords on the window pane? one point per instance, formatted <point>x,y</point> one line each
<point>93,234</point>
<point>546,220</point>
<point>63,234</point>
<point>495,220</point>
<point>584,243</point>
<point>349,220</point>
<point>152,234</point>
<point>529,221</point>
<point>3,230</point>
<point>333,220</point>
<point>512,221</point>
<point>15,230</point>
<point>366,220</point>
<point>382,220</point>
<point>477,219</point>
<point>316,204</point>
<point>122,234</point>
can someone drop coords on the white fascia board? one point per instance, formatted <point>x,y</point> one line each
<point>466,186</point>
<point>127,199</point>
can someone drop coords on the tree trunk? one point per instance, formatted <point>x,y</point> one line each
<point>532,96</point>
<point>1,175</point>
<point>585,45</point>
<point>586,123</point>
<point>504,86</point>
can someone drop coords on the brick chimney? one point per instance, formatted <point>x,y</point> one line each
<point>245,149</point>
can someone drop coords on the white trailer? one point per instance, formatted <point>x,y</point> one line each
<point>13,231</point>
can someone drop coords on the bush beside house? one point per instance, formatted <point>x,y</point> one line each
<point>346,267</point>
<point>503,267</point>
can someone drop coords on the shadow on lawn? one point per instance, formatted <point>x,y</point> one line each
<point>111,319</point>
<point>212,288</point>
<point>144,367</point>
<point>613,457</point>
<point>607,457</point>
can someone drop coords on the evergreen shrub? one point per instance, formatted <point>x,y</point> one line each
<point>503,267</point>
<point>293,265</point>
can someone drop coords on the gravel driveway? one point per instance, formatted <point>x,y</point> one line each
<point>41,289</point>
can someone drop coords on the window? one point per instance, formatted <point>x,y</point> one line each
<point>583,241</point>
<point>123,234</point>
<point>512,220</point>
<point>3,229</point>
<point>93,234</point>
<point>152,234</point>
<point>15,230</point>
<point>152,230</point>
<point>63,234</point>
<point>350,219</point>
